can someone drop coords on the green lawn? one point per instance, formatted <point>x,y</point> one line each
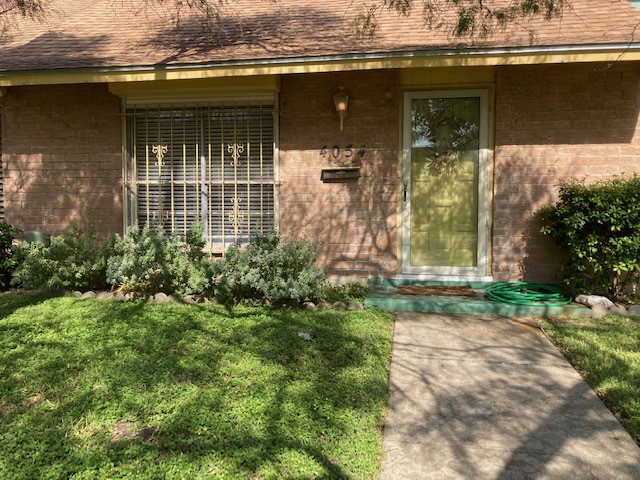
<point>606,352</point>
<point>102,389</point>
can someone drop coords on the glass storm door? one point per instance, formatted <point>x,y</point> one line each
<point>445,163</point>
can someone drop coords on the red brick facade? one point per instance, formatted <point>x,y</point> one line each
<point>353,222</point>
<point>62,159</point>
<point>555,123</point>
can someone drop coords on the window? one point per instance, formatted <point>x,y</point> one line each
<point>211,163</point>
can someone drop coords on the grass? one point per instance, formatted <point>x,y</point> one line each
<point>103,389</point>
<point>606,352</point>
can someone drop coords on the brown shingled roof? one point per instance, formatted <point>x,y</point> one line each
<point>6,5</point>
<point>88,34</point>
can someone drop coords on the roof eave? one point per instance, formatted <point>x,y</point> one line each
<point>469,57</point>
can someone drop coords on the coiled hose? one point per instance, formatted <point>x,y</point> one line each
<point>524,293</point>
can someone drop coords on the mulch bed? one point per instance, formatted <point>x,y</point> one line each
<point>441,291</point>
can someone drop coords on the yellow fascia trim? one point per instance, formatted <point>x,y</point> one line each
<point>197,87</point>
<point>310,66</point>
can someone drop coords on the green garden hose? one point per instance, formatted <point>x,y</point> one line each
<point>524,293</point>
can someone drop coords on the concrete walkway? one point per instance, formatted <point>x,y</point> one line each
<point>491,398</point>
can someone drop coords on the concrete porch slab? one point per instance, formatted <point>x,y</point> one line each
<point>384,295</point>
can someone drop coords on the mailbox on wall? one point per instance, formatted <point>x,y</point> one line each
<point>340,174</point>
<point>341,165</point>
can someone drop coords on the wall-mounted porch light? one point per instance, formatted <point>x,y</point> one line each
<point>341,100</point>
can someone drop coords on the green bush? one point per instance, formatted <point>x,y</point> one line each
<point>599,226</point>
<point>7,249</point>
<point>73,260</point>
<point>268,269</point>
<point>146,261</point>
<point>346,292</point>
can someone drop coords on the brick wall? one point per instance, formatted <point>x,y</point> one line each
<point>62,157</point>
<point>62,164</point>
<point>554,123</point>
<point>355,223</point>
<point>1,177</point>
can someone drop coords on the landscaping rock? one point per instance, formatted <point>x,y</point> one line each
<point>634,310</point>
<point>76,293</point>
<point>341,305</point>
<point>599,311</point>
<point>356,306</point>
<point>324,305</point>
<point>593,300</point>
<point>104,295</point>
<point>309,305</point>
<point>89,294</point>
<point>189,299</point>
<point>618,310</point>
<point>121,296</point>
<point>160,297</point>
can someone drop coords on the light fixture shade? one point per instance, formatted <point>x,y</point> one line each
<point>341,100</point>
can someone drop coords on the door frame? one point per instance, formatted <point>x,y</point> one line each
<point>484,154</point>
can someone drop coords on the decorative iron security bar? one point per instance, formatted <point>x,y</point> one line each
<point>212,164</point>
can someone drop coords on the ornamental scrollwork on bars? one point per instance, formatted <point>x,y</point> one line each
<point>159,151</point>
<point>161,214</point>
<point>236,216</point>
<point>235,149</point>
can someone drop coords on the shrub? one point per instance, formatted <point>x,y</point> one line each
<point>346,292</point>
<point>7,249</point>
<point>73,260</point>
<point>146,261</point>
<point>268,269</point>
<point>599,226</point>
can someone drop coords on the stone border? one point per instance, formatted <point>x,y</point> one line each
<point>188,299</point>
<point>601,306</point>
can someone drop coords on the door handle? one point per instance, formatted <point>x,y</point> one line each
<point>404,192</point>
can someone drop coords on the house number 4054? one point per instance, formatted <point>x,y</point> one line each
<point>336,152</point>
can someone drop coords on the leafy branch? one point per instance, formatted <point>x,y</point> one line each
<point>470,17</point>
<point>460,17</point>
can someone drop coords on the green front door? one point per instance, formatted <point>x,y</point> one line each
<point>443,177</point>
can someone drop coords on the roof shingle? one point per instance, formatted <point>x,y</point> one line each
<point>81,34</point>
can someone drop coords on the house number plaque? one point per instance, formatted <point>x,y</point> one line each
<point>336,153</point>
<point>341,165</point>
